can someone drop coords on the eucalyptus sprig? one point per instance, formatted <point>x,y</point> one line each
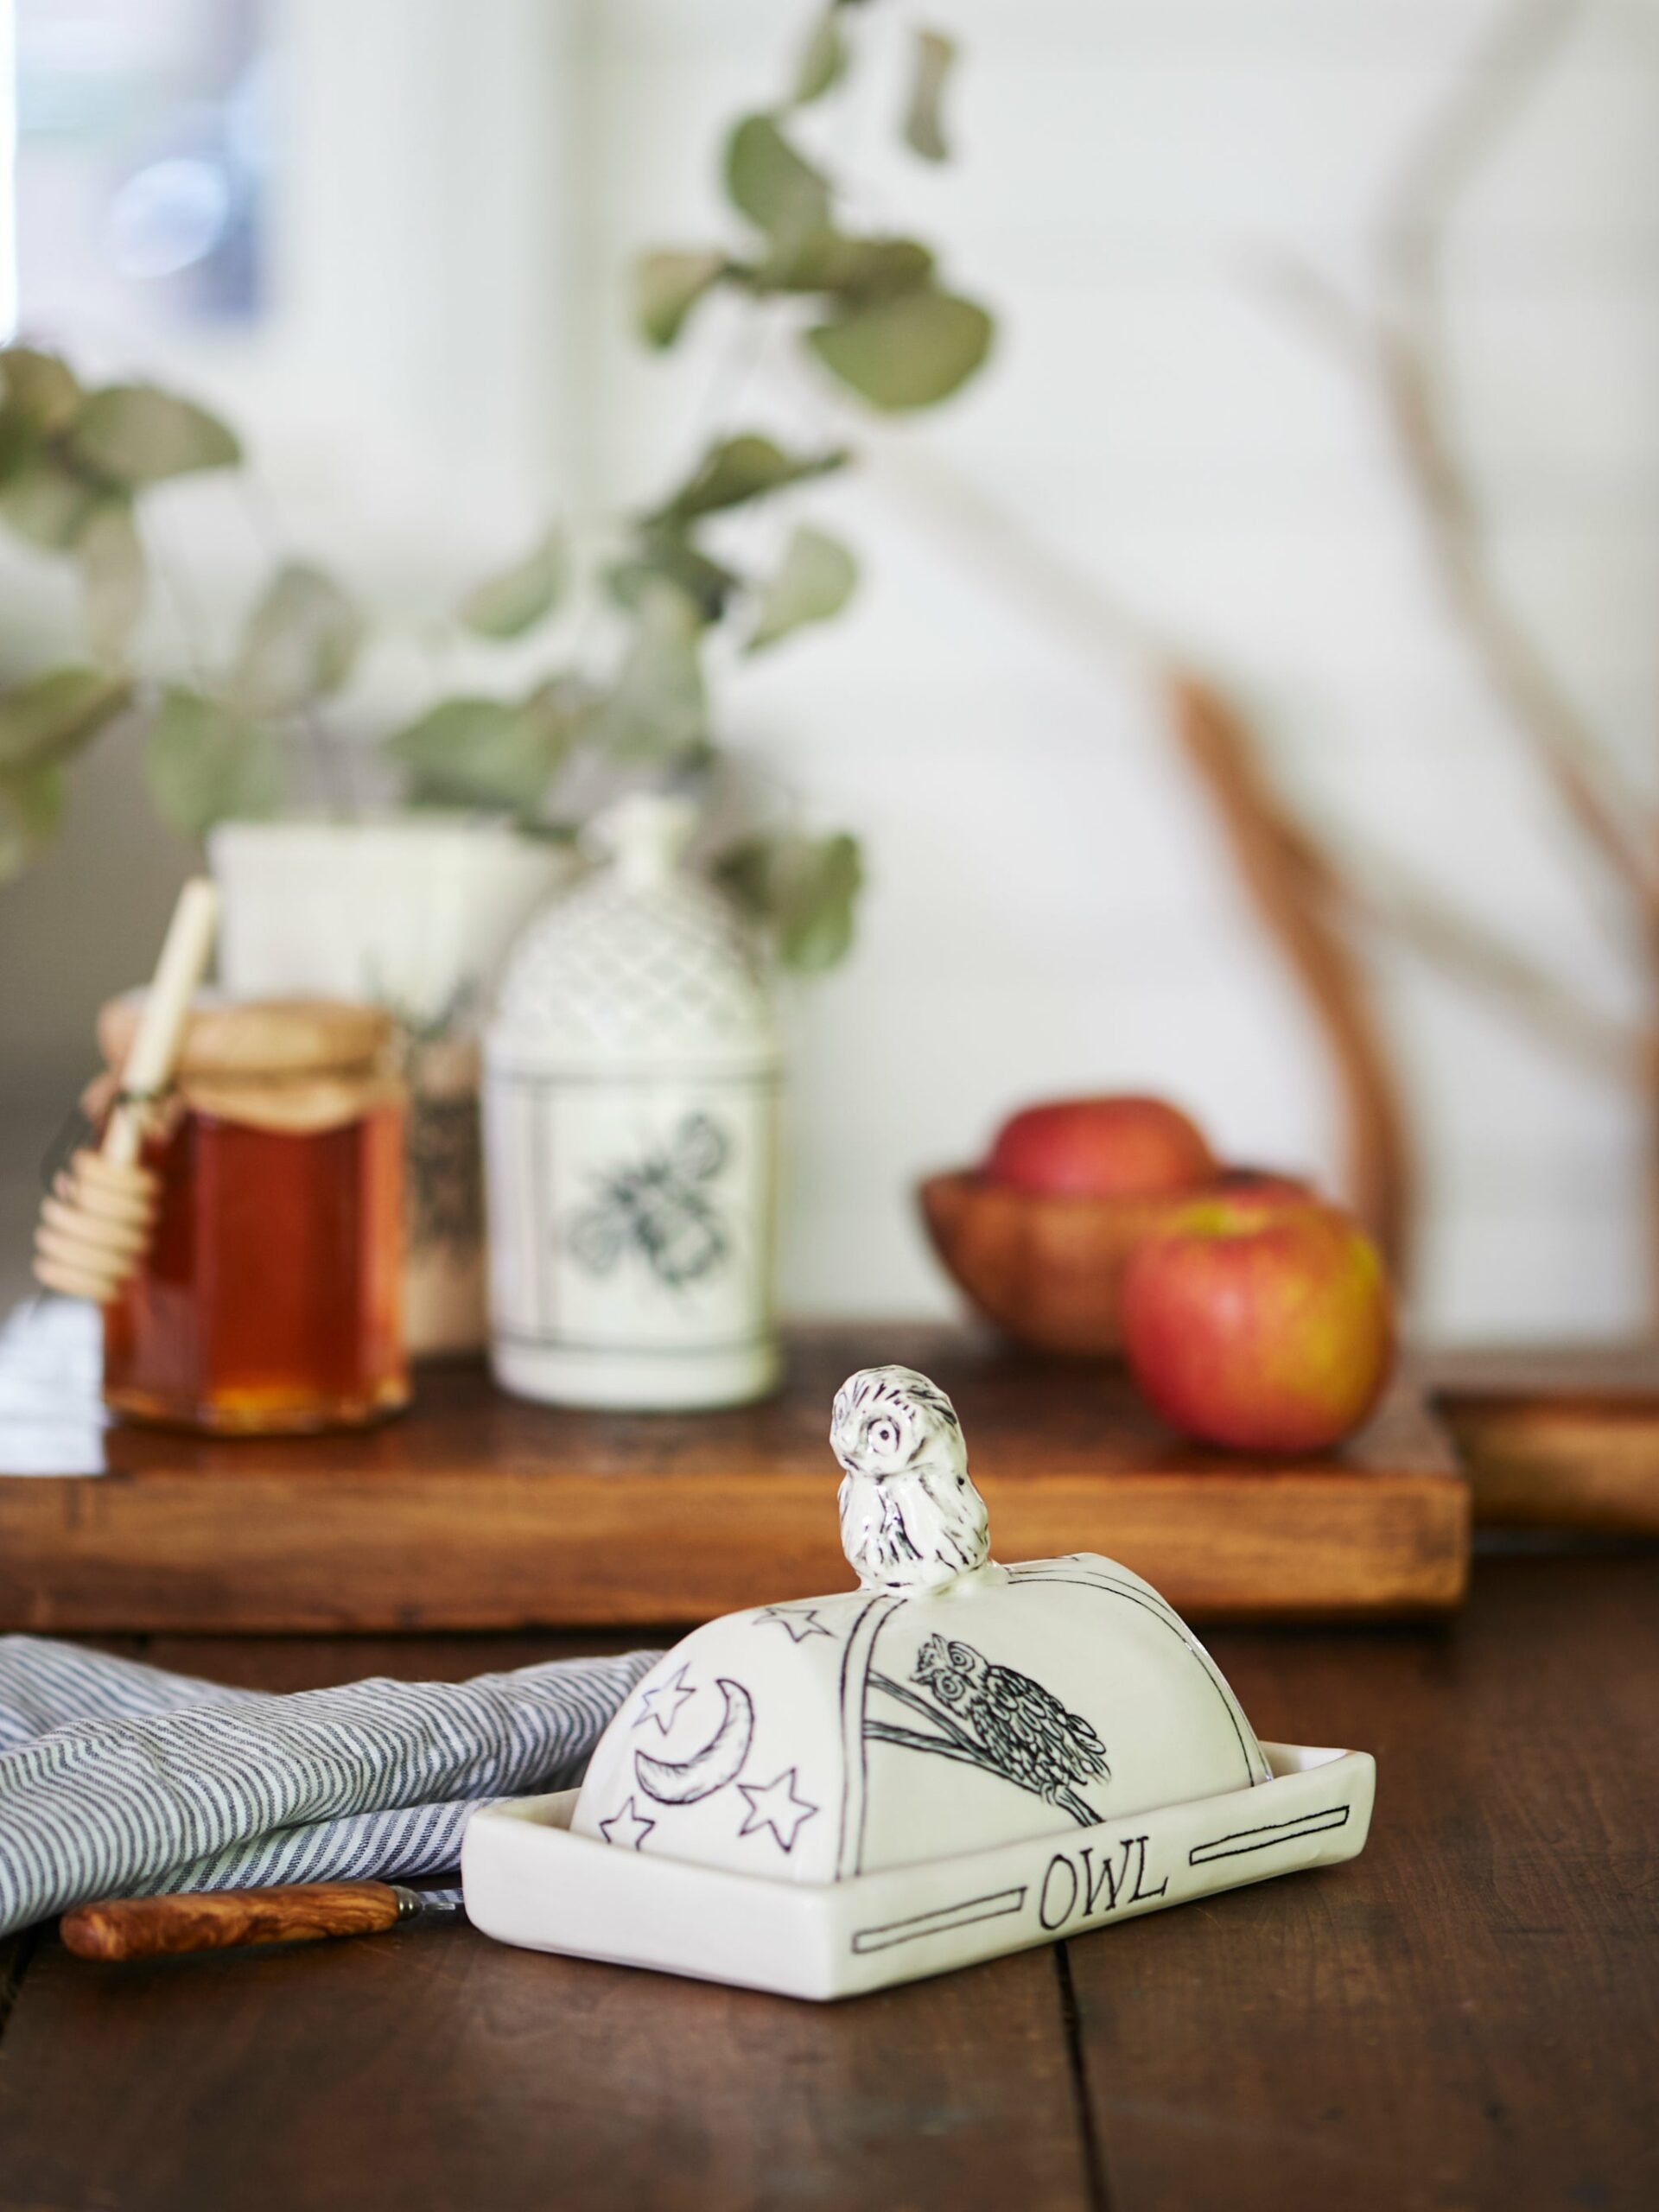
<point>74,462</point>
<point>870,317</point>
<point>879,319</point>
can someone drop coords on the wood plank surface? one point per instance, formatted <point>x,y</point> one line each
<point>1561,1438</point>
<point>1463,2017</point>
<point>480,1511</point>
<point>1470,2016</point>
<point>429,2070</point>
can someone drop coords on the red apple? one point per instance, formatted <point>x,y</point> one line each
<point>1101,1148</point>
<point>1259,1322</point>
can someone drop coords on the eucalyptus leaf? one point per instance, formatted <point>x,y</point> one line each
<point>930,65</point>
<point>207,763</point>
<point>301,643</point>
<point>741,468</point>
<point>815,581</point>
<point>854,269</point>
<point>19,441</point>
<point>667,285</point>
<point>499,753</point>
<point>911,351</point>
<point>823,61</point>
<point>656,710</point>
<point>666,554</point>
<point>507,605</point>
<point>803,889</point>
<point>38,388</point>
<point>51,716</point>
<point>49,502</point>
<point>31,807</point>
<point>114,582</point>
<point>877,269</point>
<point>819,887</point>
<point>777,188</point>
<point>133,434</point>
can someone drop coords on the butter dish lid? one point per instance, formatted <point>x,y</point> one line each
<point>947,1706</point>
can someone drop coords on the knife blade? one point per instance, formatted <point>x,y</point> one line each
<point>218,1920</point>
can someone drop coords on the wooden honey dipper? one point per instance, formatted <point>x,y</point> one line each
<point>97,1219</point>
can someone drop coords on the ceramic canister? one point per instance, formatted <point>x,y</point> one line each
<point>630,1113</point>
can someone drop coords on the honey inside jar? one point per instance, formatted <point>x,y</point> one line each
<point>270,1299</point>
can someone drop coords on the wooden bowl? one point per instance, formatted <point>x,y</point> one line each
<point>1048,1271</point>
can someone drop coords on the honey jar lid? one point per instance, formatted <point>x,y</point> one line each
<point>272,1038</point>
<point>294,1065</point>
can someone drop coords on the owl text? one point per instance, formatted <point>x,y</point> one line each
<point>1071,1892</point>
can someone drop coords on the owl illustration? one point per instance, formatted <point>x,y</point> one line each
<point>1027,1734</point>
<point>911,1518</point>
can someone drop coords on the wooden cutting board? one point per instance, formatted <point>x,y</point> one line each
<point>479,1511</point>
<point>1565,1439</point>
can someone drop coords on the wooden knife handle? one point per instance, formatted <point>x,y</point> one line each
<point>149,1928</point>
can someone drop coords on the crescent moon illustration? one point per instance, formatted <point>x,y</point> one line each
<point>720,1761</point>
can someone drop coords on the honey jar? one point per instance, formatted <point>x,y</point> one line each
<point>270,1297</point>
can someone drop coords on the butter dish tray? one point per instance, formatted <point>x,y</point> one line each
<point>957,1759</point>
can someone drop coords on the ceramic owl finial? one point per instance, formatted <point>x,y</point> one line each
<point>911,1518</point>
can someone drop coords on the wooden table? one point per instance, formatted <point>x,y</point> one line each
<point>1466,2017</point>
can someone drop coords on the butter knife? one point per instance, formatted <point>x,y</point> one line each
<point>219,1920</point>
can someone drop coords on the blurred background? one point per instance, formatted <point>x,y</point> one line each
<point>1223,240</point>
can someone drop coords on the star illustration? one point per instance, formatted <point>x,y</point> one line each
<point>673,1692</point>
<point>801,1621</point>
<point>628,1828</point>
<point>777,1808</point>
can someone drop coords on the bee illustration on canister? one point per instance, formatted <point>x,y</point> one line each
<point>660,1208</point>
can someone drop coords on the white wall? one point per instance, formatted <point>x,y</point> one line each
<point>1050,907</point>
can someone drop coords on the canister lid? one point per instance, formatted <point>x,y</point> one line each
<point>641,961</point>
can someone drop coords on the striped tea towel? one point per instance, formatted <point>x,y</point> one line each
<point>117,1780</point>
